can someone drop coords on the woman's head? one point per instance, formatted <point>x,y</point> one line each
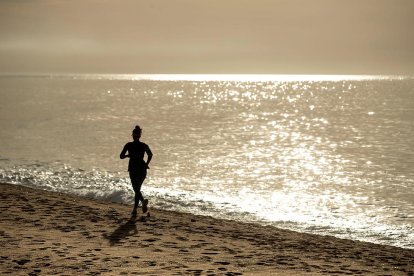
<point>136,133</point>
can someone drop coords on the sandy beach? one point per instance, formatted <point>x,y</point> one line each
<point>46,233</point>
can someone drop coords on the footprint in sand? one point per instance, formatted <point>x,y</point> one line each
<point>22,261</point>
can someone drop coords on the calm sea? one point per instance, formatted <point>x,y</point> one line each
<point>331,155</point>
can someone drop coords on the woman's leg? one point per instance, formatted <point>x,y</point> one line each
<point>137,178</point>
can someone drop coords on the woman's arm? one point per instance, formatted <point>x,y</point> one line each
<point>149,156</point>
<point>123,154</point>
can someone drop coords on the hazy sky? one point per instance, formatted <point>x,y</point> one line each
<point>210,36</point>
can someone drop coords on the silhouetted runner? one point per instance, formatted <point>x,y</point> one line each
<point>137,167</point>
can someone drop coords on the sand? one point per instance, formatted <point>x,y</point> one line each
<point>46,233</point>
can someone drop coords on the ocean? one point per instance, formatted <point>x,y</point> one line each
<point>330,155</point>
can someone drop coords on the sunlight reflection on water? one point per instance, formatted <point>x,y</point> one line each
<point>318,155</point>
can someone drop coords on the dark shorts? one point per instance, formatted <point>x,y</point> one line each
<point>137,178</point>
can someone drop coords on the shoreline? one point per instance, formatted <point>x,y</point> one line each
<point>44,233</point>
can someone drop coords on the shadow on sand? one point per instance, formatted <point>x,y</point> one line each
<point>123,231</point>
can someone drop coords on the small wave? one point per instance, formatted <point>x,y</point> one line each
<point>63,178</point>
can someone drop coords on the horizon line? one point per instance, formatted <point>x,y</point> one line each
<point>213,77</point>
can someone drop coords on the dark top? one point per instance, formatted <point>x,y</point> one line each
<point>136,151</point>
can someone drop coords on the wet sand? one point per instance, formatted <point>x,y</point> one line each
<point>46,233</point>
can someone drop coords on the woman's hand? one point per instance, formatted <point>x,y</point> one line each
<point>123,156</point>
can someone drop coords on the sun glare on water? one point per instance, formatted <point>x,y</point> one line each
<point>230,77</point>
<point>252,77</point>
